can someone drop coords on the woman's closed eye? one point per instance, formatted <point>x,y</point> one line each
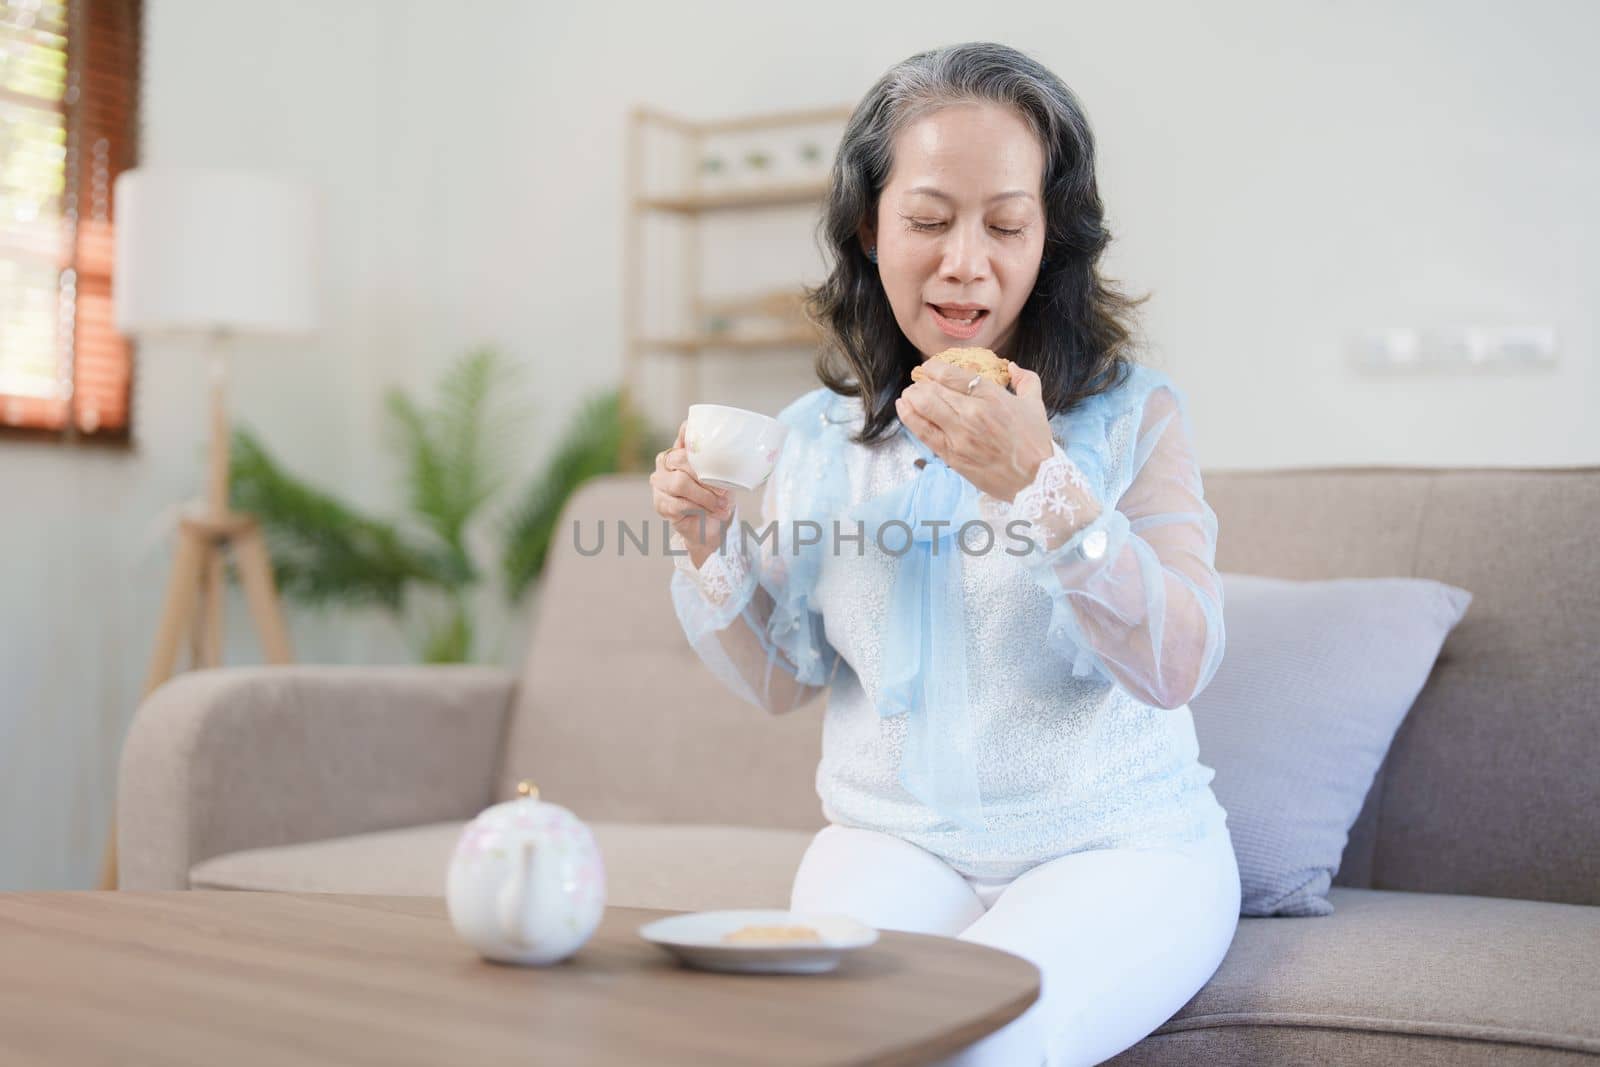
<point>928,225</point>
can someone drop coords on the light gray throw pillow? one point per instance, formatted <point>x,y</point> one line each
<point>1314,682</point>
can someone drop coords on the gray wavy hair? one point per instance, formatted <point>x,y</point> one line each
<point>1075,330</point>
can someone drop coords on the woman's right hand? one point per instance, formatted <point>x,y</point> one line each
<point>698,512</point>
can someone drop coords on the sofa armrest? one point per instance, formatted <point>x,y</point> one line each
<point>222,760</point>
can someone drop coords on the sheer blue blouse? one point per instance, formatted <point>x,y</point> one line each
<point>1001,700</point>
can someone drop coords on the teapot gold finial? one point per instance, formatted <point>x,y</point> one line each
<point>526,788</point>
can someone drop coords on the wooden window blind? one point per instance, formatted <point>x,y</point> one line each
<point>69,87</point>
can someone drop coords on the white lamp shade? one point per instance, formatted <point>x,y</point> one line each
<point>201,251</point>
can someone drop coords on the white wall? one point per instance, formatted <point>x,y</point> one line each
<point>234,85</point>
<point>1278,175</point>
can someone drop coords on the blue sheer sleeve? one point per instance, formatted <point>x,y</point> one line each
<point>1146,612</point>
<point>747,610</point>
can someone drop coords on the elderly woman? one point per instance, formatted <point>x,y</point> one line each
<point>1009,593</point>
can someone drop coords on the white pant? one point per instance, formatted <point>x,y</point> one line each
<point>1122,938</point>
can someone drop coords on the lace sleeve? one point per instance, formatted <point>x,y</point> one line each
<point>1055,506</point>
<point>724,580</point>
<point>745,610</point>
<point>1135,588</point>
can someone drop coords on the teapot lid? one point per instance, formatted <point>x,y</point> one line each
<point>527,789</point>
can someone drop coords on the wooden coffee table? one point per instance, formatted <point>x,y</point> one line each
<point>272,978</point>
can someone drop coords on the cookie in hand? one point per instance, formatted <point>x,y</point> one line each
<point>980,361</point>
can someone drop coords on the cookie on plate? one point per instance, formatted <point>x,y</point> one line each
<point>770,934</point>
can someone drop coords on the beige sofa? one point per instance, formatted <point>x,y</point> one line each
<point>1467,924</point>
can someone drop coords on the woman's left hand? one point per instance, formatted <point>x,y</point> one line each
<point>991,438</point>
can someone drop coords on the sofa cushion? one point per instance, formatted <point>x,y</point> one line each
<point>1297,720</point>
<point>1489,786</point>
<point>1398,978</point>
<point>682,868</point>
<point>640,740</point>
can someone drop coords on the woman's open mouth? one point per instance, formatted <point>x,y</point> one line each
<point>962,324</point>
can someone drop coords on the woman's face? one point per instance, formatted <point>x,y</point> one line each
<point>960,227</point>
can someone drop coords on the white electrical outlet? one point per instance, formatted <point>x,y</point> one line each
<point>1528,346</point>
<point>1456,350</point>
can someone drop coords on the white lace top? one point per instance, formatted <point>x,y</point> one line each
<point>1081,652</point>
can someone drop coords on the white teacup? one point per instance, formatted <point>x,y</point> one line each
<point>731,448</point>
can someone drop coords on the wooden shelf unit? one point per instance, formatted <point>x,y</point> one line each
<point>729,342</point>
<point>691,201</point>
<point>738,199</point>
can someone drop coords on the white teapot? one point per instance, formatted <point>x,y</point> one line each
<point>526,882</point>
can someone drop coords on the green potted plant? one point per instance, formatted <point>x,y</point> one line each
<point>420,566</point>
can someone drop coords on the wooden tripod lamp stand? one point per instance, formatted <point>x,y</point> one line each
<point>207,530</point>
<point>216,255</point>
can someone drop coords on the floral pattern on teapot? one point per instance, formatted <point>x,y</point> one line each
<point>491,861</point>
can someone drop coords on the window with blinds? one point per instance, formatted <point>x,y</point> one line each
<point>69,83</point>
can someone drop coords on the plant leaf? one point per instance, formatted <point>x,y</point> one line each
<point>455,454</point>
<point>450,641</point>
<point>606,436</point>
<point>323,551</point>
